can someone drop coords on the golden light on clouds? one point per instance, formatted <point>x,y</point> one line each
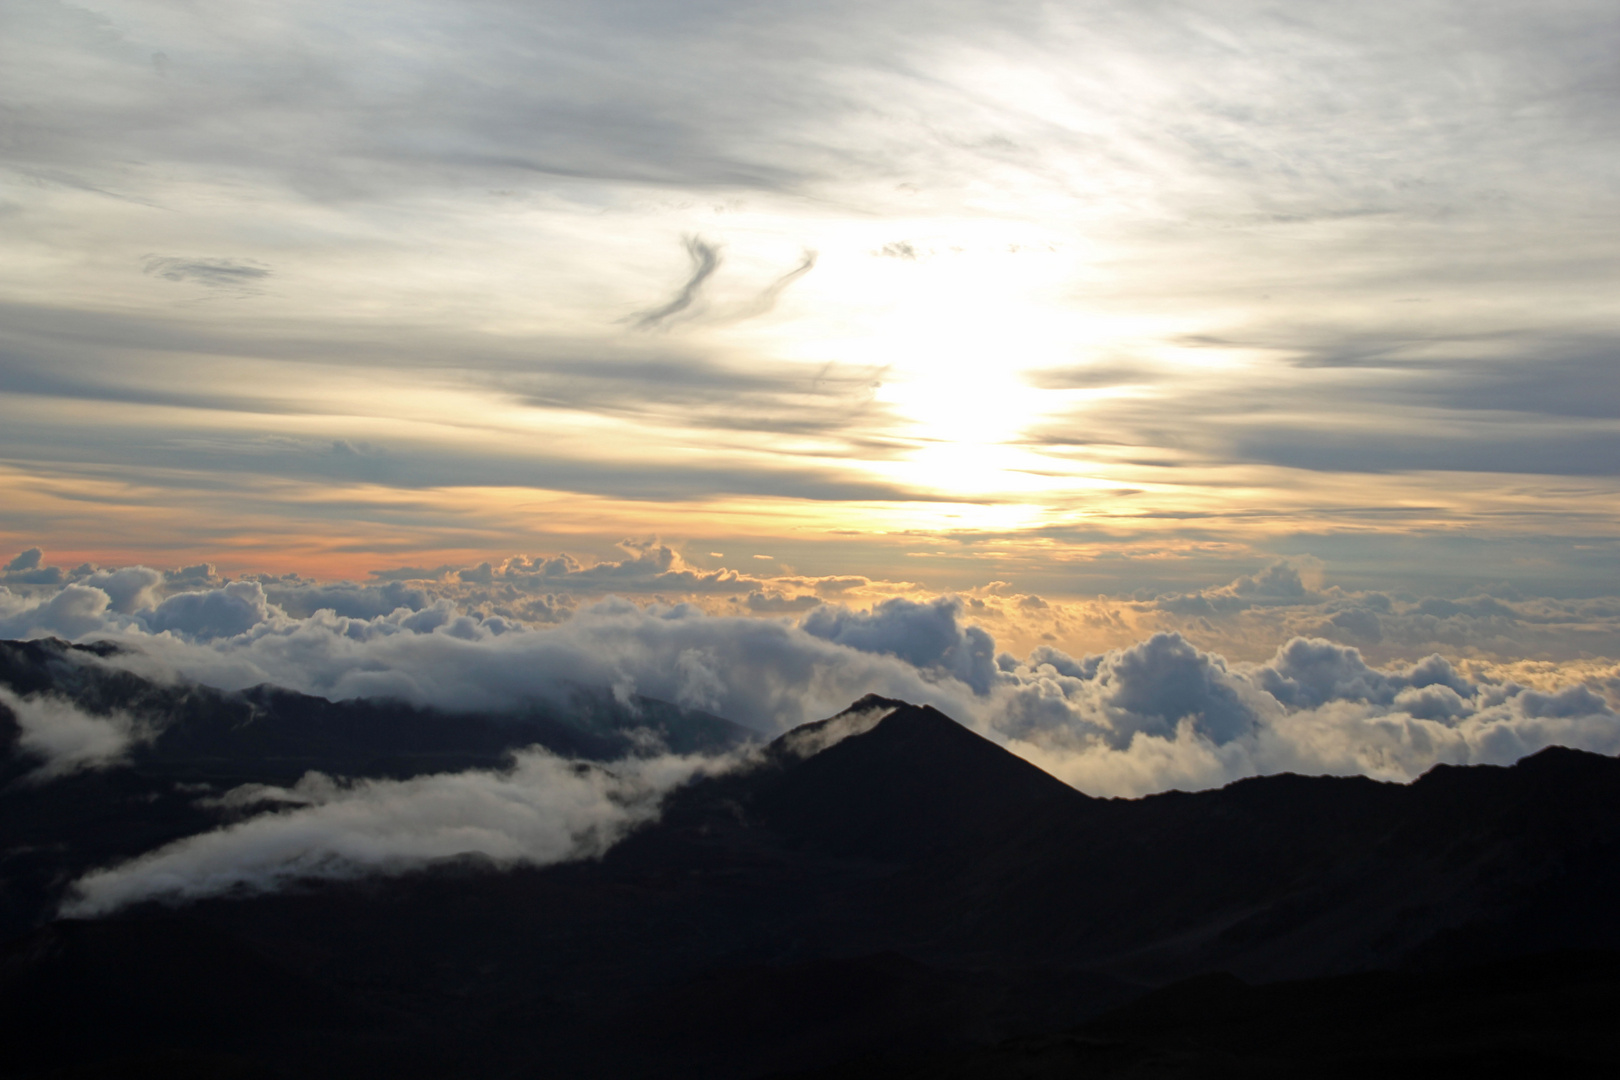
<point>1068,293</point>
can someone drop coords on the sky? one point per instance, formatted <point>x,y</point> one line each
<point>1172,392</point>
<point>1064,324</point>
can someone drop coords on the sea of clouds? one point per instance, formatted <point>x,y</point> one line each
<point>1156,714</point>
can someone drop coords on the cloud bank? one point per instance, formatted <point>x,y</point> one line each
<point>67,739</point>
<point>542,810</point>
<point>1157,713</point>
<point>1165,714</point>
<point>1162,711</point>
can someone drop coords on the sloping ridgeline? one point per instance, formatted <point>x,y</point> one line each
<point>888,894</point>
<point>198,740</point>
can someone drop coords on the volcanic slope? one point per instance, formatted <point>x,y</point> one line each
<point>885,884</point>
<point>196,740</point>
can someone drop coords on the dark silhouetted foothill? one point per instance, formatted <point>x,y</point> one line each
<point>881,894</point>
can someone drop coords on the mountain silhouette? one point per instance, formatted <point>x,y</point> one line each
<point>203,740</point>
<point>881,893</point>
<point>885,780</point>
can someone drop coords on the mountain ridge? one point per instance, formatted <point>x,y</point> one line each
<point>908,888</point>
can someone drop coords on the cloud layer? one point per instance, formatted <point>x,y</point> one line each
<point>67,739</point>
<point>1157,712</point>
<point>306,281</point>
<point>1154,712</point>
<point>542,810</point>
<point>1164,714</point>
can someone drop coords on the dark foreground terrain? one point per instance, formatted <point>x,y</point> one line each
<point>910,901</point>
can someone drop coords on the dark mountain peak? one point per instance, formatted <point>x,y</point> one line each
<point>808,740</point>
<point>899,719</point>
<point>876,701</point>
<point>888,779</point>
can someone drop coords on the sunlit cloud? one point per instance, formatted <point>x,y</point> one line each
<point>1089,297</point>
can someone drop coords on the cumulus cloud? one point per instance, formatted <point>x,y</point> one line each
<point>198,603</point>
<point>1160,713</point>
<point>130,588</point>
<point>29,568</point>
<point>928,636</point>
<point>1167,710</point>
<point>769,673</point>
<point>1250,615</point>
<point>67,739</point>
<point>1165,714</point>
<point>72,611</point>
<point>214,613</point>
<point>300,598</point>
<point>648,565</point>
<point>1280,582</point>
<point>541,810</point>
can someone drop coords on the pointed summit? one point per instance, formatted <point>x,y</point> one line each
<point>887,779</point>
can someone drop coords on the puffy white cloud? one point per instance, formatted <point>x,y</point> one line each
<point>1251,614</point>
<point>215,613</point>
<point>1167,710</point>
<point>1164,714</point>
<point>300,598</point>
<point>1157,714</point>
<point>928,636</point>
<point>1279,582</point>
<point>129,589</point>
<point>648,566</point>
<point>770,673</point>
<point>29,568</point>
<point>70,612</point>
<point>541,810</point>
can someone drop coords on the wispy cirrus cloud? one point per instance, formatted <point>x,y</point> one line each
<point>465,215</point>
<point>241,278</point>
